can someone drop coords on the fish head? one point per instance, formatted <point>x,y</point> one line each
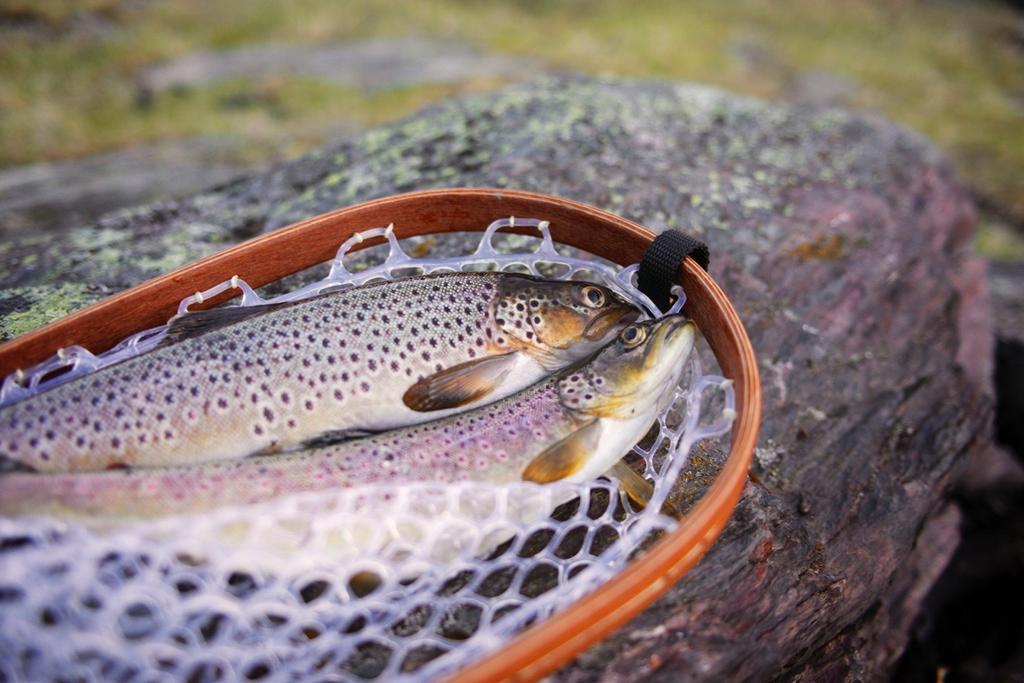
<point>634,375</point>
<point>559,322</point>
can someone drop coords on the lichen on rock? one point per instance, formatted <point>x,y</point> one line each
<point>26,308</point>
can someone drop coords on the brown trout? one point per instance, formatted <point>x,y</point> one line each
<point>235,381</point>
<point>573,426</point>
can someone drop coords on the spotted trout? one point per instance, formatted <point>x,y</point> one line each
<point>573,426</point>
<point>236,381</point>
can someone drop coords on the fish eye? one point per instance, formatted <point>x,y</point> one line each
<point>633,336</point>
<point>593,297</point>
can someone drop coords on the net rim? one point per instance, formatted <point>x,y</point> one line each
<point>543,647</point>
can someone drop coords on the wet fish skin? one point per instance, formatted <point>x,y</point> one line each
<point>285,375</point>
<point>577,423</point>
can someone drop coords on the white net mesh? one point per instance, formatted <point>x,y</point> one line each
<point>381,582</point>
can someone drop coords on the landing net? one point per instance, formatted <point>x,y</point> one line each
<point>384,582</point>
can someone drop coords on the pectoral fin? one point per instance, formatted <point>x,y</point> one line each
<point>565,457</point>
<point>637,488</point>
<point>460,384</point>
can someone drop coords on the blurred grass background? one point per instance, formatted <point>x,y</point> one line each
<point>953,70</point>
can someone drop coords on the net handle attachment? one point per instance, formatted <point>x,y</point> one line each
<point>661,262</point>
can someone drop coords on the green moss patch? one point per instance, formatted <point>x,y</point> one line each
<point>23,309</point>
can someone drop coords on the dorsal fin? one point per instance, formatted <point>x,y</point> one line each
<point>565,457</point>
<point>193,324</point>
<point>335,437</point>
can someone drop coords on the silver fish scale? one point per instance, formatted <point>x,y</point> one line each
<point>308,367</point>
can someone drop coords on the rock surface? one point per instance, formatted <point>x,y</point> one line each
<point>841,239</point>
<point>370,65</point>
<point>820,88</point>
<point>52,196</point>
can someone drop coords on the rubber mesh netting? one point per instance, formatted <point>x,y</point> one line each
<point>379,582</point>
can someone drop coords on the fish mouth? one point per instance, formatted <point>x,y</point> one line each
<point>673,336</point>
<point>614,318</point>
<point>679,328</point>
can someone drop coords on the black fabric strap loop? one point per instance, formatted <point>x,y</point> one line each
<point>661,262</point>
